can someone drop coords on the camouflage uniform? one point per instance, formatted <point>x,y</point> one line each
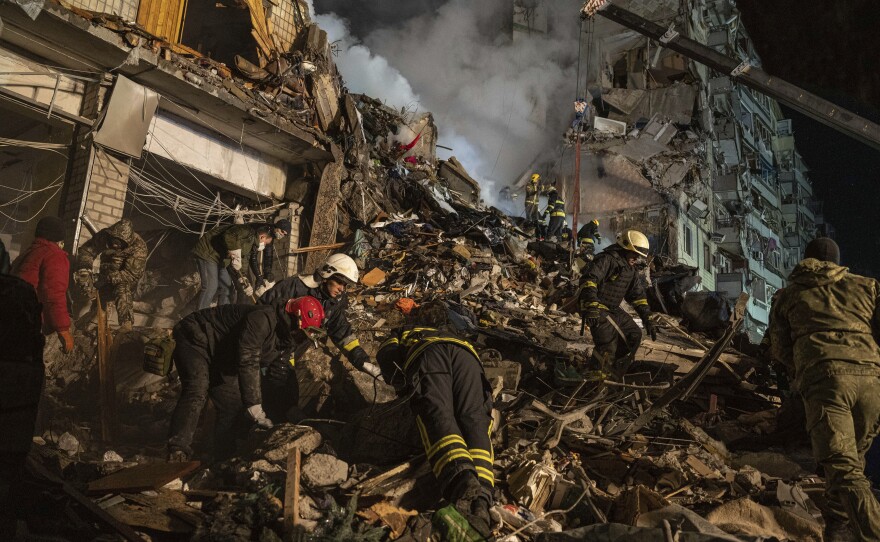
<point>821,329</point>
<point>121,268</point>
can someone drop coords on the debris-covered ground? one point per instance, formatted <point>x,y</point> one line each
<point>692,439</point>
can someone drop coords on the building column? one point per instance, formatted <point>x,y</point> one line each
<point>97,180</point>
<point>290,260</point>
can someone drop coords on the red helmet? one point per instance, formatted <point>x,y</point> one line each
<point>308,309</point>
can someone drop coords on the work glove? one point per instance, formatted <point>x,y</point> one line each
<point>66,341</point>
<point>235,256</point>
<point>263,288</point>
<point>598,238</point>
<point>258,415</point>
<point>650,327</point>
<point>591,316</point>
<point>372,370</point>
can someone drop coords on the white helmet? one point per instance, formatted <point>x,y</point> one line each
<point>634,241</point>
<point>340,264</point>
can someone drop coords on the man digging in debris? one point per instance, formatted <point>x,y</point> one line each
<point>328,285</point>
<point>822,329</point>
<point>123,260</point>
<point>261,260</point>
<point>586,236</point>
<point>452,401</point>
<point>556,210</point>
<point>219,352</point>
<point>219,255</point>
<point>607,280</point>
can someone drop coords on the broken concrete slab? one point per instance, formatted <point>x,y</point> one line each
<point>287,436</point>
<point>323,470</point>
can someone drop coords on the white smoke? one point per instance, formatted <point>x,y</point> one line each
<point>498,102</point>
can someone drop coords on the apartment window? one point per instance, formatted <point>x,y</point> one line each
<point>688,241</point>
<point>707,255</point>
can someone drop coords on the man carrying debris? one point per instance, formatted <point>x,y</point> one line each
<point>823,330</point>
<point>123,261</point>
<point>532,193</point>
<point>46,267</point>
<point>607,280</point>
<point>219,255</point>
<point>556,210</point>
<point>452,401</point>
<point>261,261</point>
<point>328,285</point>
<point>218,353</point>
<point>586,235</point>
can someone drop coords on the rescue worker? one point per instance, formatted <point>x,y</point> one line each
<point>218,353</point>
<point>612,277</point>
<point>280,385</point>
<point>21,382</point>
<point>328,285</point>
<point>531,201</point>
<point>452,401</point>
<point>822,329</point>
<point>586,235</point>
<point>556,210</point>
<point>123,261</point>
<point>261,261</point>
<point>46,267</point>
<point>219,255</point>
<point>565,236</point>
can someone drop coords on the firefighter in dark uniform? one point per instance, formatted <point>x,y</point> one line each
<point>452,401</point>
<point>532,200</point>
<point>565,236</point>
<point>219,352</point>
<point>609,279</point>
<point>586,235</point>
<point>556,210</point>
<point>328,285</point>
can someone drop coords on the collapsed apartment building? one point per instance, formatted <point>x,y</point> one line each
<point>706,166</point>
<point>682,446</point>
<point>178,117</point>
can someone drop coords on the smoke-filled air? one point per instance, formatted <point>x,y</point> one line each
<point>501,97</point>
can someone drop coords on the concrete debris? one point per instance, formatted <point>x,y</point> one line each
<point>324,470</point>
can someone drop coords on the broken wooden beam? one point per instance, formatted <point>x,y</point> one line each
<point>291,490</point>
<point>142,477</point>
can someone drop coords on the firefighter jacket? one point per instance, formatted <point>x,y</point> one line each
<point>46,267</point>
<point>555,205</point>
<point>588,232</point>
<point>216,244</point>
<point>123,266</point>
<point>824,323</point>
<point>532,194</point>
<point>335,320</point>
<point>608,280</point>
<point>240,339</point>
<point>397,355</point>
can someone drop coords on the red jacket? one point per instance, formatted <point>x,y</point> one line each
<point>46,266</point>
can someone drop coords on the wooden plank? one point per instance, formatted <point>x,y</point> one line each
<point>107,385</point>
<point>324,219</point>
<point>99,513</point>
<point>142,477</point>
<point>291,490</point>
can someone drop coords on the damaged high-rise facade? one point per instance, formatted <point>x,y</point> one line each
<point>706,166</point>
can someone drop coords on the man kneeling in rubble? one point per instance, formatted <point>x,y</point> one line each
<point>219,353</point>
<point>452,401</point>
<point>607,280</point>
<point>328,285</point>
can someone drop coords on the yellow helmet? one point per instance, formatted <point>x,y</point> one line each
<point>634,241</point>
<point>596,221</point>
<point>535,177</point>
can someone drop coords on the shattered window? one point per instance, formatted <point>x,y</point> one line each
<point>707,255</point>
<point>688,241</point>
<point>283,20</point>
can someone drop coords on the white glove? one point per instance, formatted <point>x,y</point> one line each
<point>235,255</point>
<point>257,414</point>
<point>373,370</point>
<point>248,290</point>
<point>265,287</point>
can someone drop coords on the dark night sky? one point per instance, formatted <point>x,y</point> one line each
<point>832,51</point>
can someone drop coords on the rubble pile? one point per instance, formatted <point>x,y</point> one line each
<point>578,456</point>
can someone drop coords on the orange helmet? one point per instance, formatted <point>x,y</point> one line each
<point>308,309</point>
